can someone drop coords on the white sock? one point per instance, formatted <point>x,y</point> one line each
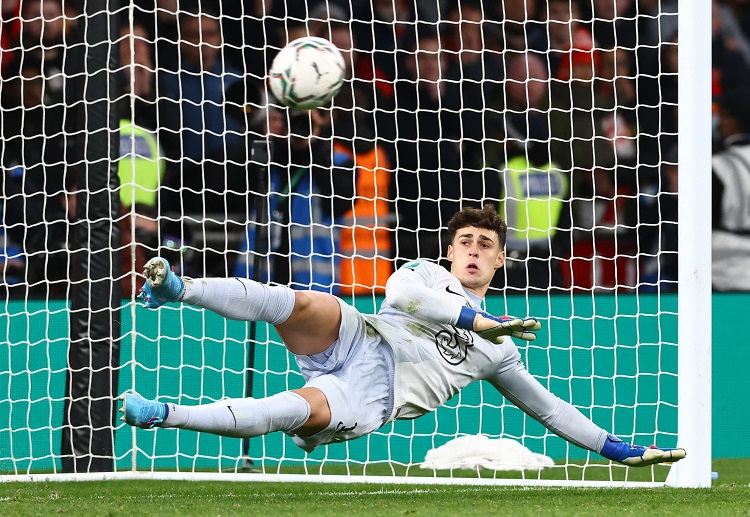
<point>242,418</point>
<point>240,298</point>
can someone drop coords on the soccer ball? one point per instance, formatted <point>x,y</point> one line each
<point>307,73</point>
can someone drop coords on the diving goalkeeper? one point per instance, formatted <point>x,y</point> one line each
<point>429,340</point>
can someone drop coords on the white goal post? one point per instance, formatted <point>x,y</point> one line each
<point>446,104</point>
<point>694,366</point>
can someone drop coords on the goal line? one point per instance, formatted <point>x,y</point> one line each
<point>321,478</point>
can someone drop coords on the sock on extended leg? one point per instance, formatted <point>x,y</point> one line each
<point>241,299</point>
<point>242,418</point>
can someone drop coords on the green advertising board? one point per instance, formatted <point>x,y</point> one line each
<point>613,356</point>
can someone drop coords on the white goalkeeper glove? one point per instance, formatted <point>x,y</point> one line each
<point>495,328</point>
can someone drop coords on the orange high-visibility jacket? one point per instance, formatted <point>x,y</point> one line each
<point>365,261</point>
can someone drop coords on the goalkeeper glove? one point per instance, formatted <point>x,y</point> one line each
<point>495,328</point>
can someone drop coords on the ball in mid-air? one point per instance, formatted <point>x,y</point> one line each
<point>307,73</point>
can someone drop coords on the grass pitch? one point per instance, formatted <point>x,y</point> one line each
<point>730,495</point>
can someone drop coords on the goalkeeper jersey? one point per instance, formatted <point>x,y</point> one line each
<point>433,359</point>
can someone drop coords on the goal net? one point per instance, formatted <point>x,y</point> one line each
<point>562,114</point>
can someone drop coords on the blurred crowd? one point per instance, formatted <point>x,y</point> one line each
<point>561,113</point>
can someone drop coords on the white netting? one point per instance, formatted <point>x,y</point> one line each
<point>561,113</point>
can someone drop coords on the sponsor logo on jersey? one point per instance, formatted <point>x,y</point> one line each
<point>454,345</point>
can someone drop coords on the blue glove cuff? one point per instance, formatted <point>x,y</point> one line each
<point>466,318</point>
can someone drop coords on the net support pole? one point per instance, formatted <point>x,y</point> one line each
<point>694,233</point>
<point>94,352</point>
<point>260,152</point>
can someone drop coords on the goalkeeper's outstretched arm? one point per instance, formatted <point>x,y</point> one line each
<point>520,387</point>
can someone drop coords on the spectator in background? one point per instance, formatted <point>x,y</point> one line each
<point>657,229</point>
<point>616,88</point>
<point>380,28</point>
<point>593,140</point>
<point>362,94</point>
<point>535,207</point>
<point>730,58</point>
<point>140,105</point>
<point>535,190</point>
<point>667,91</point>
<point>563,22</point>
<point>43,31</point>
<point>576,56</point>
<point>475,75</point>
<point>730,43</point>
<point>304,174</point>
<point>615,23</point>
<point>10,31</point>
<point>604,215</point>
<point>741,11</point>
<point>564,26</point>
<point>197,92</point>
<point>656,24</point>
<point>32,162</point>
<point>576,117</point>
<point>527,103</point>
<point>206,146</point>
<point>330,204</point>
<point>32,146</point>
<point>521,27</point>
<point>141,167</point>
<point>426,130</point>
<point>12,266</point>
<point>363,245</point>
<point>731,193</point>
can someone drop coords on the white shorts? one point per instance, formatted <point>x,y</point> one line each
<point>356,375</point>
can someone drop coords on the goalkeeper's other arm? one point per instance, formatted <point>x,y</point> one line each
<point>409,290</point>
<point>495,328</point>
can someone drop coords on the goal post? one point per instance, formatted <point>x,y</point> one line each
<point>694,364</point>
<point>553,115</point>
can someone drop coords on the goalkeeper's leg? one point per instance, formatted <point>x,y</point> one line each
<point>521,388</point>
<point>303,412</point>
<point>307,321</point>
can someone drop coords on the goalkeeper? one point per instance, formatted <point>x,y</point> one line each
<point>429,340</point>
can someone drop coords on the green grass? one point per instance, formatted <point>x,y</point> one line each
<point>729,496</point>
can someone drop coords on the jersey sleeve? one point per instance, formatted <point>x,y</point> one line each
<point>410,290</point>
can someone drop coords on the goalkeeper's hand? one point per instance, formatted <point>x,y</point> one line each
<point>495,328</point>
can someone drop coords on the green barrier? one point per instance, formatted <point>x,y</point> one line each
<point>190,356</point>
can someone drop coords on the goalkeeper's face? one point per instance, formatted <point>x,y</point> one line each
<point>475,255</point>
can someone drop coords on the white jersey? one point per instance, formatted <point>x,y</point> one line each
<point>433,360</point>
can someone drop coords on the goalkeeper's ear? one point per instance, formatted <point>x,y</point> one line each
<point>500,262</point>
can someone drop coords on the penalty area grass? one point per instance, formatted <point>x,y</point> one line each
<point>730,495</point>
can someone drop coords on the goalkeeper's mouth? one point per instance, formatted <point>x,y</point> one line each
<point>472,267</point>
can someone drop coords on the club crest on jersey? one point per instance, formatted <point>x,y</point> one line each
<point>454,344</point>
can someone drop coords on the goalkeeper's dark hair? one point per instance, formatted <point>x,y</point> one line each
<point>486,218</point>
